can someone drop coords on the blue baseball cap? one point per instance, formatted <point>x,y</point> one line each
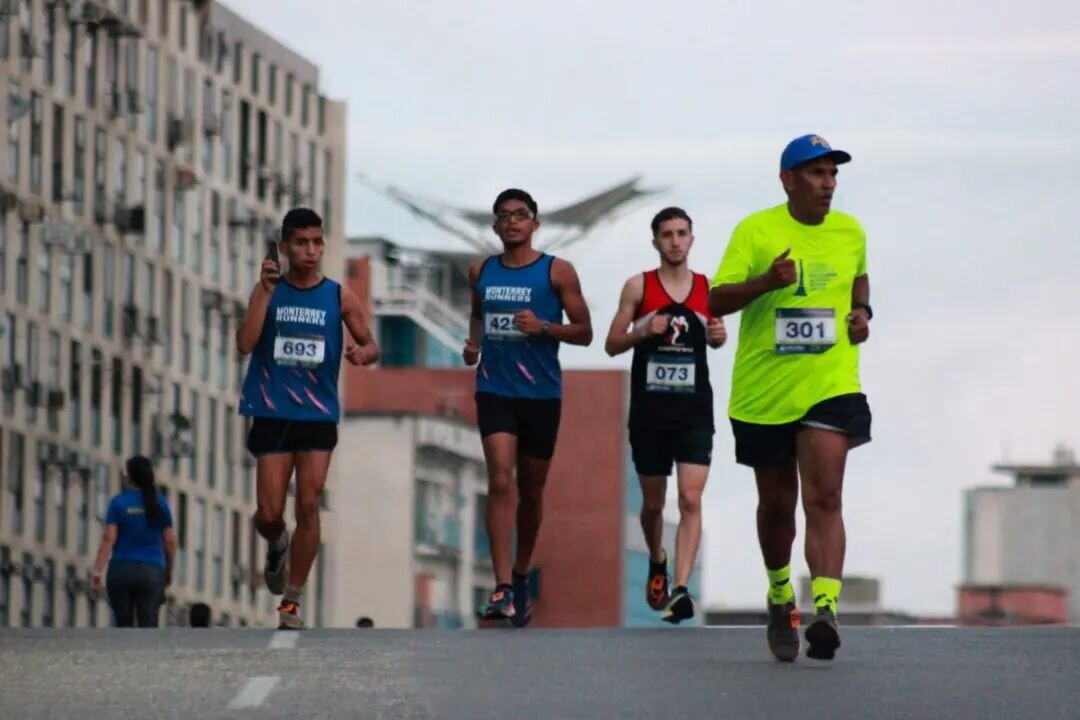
<point>810,147</point>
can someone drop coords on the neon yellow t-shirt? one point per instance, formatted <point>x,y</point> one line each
<point>793,349</point>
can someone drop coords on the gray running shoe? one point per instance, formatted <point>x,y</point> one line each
<point>823,635</point>
<point>782,632</point>
<point>276,561</point>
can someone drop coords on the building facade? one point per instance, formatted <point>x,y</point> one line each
<point>590,564</point>
<point>152,148</point>
<point>1025,536</point>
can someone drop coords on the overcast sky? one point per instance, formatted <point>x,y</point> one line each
<point>964,124</point>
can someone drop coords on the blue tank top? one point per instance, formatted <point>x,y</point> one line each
<point>513,364</point>
<point>294,368</point>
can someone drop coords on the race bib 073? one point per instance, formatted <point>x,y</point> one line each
<point>670,375</point>
<point>805,330</point>
<point>307,351</point>
<point>501,325</point>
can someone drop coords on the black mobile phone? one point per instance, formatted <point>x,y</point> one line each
<point>272,251</point>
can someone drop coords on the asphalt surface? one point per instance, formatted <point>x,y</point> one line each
<point>879,673</point>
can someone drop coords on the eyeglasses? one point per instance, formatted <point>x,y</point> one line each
<point>515,215</point>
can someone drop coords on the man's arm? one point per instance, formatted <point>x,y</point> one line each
<point>579,330</point>
<point>247,335</point>
<point>619,338</point>
<point>728,298</point>
<point>860,291</point>
<point>352,314</point>
<point>476,319</point>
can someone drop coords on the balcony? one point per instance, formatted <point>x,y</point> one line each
<point>438,537</point>
<point>436,316</point>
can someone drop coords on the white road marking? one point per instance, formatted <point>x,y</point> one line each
<point>284,639</point>
<point>254,692</point>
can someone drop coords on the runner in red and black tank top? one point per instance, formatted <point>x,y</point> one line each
<point>669,377</point>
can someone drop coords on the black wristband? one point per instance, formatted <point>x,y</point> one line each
<point>863,306</point>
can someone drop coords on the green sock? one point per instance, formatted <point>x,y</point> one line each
<point>780,590</point>
<point>826,592</point>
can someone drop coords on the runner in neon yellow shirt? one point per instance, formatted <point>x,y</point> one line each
<point>798,274</point>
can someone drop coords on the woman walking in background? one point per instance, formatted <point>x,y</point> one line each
<point>139,544</point>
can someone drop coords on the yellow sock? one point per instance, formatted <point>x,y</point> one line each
<point>826,592</point>
<point>780,590</point>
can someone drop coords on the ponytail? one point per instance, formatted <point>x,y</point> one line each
<point>141,473</point>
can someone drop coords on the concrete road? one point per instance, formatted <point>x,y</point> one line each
<point>879,673</point>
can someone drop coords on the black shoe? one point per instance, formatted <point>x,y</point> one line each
<point>823,635</point>
<point>522,600</point>
<point>680,606</point>
<point>782,632</point>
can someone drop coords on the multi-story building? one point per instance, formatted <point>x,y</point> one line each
<point>410,546</point>
<point>1020,544</point>
<point>152,148</point>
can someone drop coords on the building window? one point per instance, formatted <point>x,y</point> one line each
<point>14,135</point>
<point>15,479</point>
<point>159,216</point>
<point>71,57</point>
<point>136,409</point>
<point>61,474</point>
<point>183,27</point>
<point>208,116</point>
<point>181,538</point>
<point>219,551</point>
<point>200,545</point>
<point>71,600</point>
<point>193,457</point>
<point>41,485</point>
<point>120,189</point>
<point>3,257</point>
<point>185,327</point>
<point>235,579</point>
<point>101,171</point>
<point>79,170</point>
<point>48,605</point>
<point>108,286</point>
<point>67,279</point>
<point>53,412</point>
<point>305,106</point>
<point>75,390</point>
<point>5,553</point>
<point>27,615</point>
<point>204,344</point>
<point>152,94</point>
<point>57,159</point>
<point>37,119</point>
<point>90,54</point>
<point>97,371</point>
<point>199,223</point>
<point>116,407</point>
<point>271,84</point>
<point>82,531</point>
<point>22,263</point>
<point>44,288</point>
<point>256,61</point>
<point>215,235</point>
<point>223,352</point>
<point>226,135</point>
<point>164,335</point>
<point>88,290</point>
<point>33,368</point>
<point>288,94</point>
<point>212,438</point>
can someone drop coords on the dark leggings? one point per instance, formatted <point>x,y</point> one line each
<point>135,592</point>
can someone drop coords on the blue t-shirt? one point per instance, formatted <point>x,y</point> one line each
<point>136,541</point>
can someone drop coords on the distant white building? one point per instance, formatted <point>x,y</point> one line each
<point>1027,534</point>
<point>410,549</point>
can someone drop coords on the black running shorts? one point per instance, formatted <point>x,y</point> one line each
<point>269,436</point>
<point>535,422</point>
<point>655,451</point>
<point>771,445</point>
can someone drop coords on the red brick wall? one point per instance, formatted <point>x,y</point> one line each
<point>983,604</point>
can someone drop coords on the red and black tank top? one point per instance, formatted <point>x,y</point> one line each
<point>669,376</point>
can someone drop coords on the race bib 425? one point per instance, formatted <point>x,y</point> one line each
<point>805,330</point>
<point>501,325</point>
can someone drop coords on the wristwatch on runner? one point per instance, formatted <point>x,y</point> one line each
<point>544,327</point>
<point>863,306</point>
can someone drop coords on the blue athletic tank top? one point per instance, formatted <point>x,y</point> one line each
<point>293,374</point>
<point>513,364</point>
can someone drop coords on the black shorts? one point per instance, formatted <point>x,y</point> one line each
<point>655,451</point>
<point>535,422</point>
<point>771,445</point>
<point>269,436</point>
